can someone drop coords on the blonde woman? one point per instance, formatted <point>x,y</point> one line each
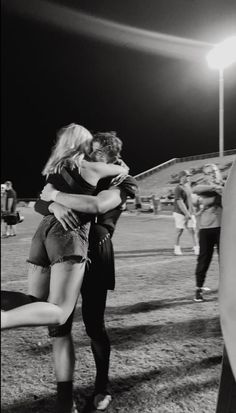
<point>209,221</point>
<point>58,257</point>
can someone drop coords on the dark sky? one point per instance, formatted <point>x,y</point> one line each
<point>57,70</point>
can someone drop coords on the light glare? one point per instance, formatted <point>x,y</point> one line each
<point>223,54</point>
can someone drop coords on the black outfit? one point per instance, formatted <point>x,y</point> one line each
<point>208,239</point>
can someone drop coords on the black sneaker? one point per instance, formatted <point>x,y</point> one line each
<point>198,295</point>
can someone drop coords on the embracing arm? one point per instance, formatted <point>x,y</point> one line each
<point>227,290</point>
<point>102,170</point>
<point>99,204</point>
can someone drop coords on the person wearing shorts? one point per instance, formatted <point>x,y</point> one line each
<point>183,212</point>
<point>57,256</point>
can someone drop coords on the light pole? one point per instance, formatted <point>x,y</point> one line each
<point>220,57</point>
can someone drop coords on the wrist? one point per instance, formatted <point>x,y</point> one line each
<point>54,194</point>
<point>51,207</point>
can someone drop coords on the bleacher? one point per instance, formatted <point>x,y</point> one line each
<point>163,178</point>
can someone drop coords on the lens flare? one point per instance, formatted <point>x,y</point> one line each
<point>118,34</point>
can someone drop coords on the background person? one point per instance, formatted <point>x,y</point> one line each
<point>183,212</point>
<point>3,208</point>
<point>209,222</point>
<point>10,210</point>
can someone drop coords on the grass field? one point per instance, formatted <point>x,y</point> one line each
<point>166,349</point>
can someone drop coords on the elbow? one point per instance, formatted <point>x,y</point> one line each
<point>99,208</point>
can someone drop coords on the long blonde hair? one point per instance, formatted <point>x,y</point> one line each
<point>72,140</point>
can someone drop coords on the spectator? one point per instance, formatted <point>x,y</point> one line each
<point>209,218</point>
<point>183,212</point>
<point>138,203</point>
<point>10,210</point>
<point>3,204</point>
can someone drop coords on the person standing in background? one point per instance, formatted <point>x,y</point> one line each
<point>209,218</point>
<point>183,212</point>
<point>10,208</point>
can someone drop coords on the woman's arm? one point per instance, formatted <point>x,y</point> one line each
<point>99,204</point>
<point>99,170</point>
<point>227,290</point>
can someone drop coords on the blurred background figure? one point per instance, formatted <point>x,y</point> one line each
<point>3,207</point>
<point>209,222</point>
<point>9,215</point>
<point>184,213</point>
<point>138,203</point>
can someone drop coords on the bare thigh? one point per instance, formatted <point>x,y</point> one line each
<point>38,281</point>
<point>65,284</point>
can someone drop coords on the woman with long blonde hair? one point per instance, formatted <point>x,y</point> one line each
<point>58,256</point>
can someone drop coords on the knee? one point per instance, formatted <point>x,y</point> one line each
<point>61,331</point>
<point>95,331</point>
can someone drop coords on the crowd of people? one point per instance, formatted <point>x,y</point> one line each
<point>71,253</point>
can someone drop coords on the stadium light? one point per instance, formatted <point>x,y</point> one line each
<point>220,57</point>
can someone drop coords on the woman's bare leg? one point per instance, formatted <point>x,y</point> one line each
<point>38,289</point>
<point>65,283</point>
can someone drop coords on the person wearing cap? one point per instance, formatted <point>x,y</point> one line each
<point>183,212</point>
<point>209,221</point>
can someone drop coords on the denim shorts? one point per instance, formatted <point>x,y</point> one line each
<point>52,244</point>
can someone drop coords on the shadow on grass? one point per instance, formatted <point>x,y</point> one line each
<point>146,306</point>
<point>131,337</point>
<point>125,384</point>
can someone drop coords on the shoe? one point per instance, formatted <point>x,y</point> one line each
<point>198,295</point>
<point>196,250</point>
<point>177,250</point>
<point>74,408</point>
<point>102,401</point>
<point>4,236</point>
<point>206,289</point>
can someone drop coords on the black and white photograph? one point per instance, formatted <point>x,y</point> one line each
<point>118,206</point>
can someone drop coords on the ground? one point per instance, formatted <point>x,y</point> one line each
<point>166,349</point>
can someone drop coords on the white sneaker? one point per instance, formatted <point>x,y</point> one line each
<point>206,289</point>
<point>196,250</point>
<point>177,250</point>
<point>101,401</point>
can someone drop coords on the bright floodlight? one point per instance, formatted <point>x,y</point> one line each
<point>223,54</point>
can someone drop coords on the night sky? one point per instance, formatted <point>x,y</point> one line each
<point>161,106</point>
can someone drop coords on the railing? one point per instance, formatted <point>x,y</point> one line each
<point>178,160</point>
<point>155,169</point>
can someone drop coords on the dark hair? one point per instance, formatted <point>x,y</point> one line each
<point>110,142</point>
